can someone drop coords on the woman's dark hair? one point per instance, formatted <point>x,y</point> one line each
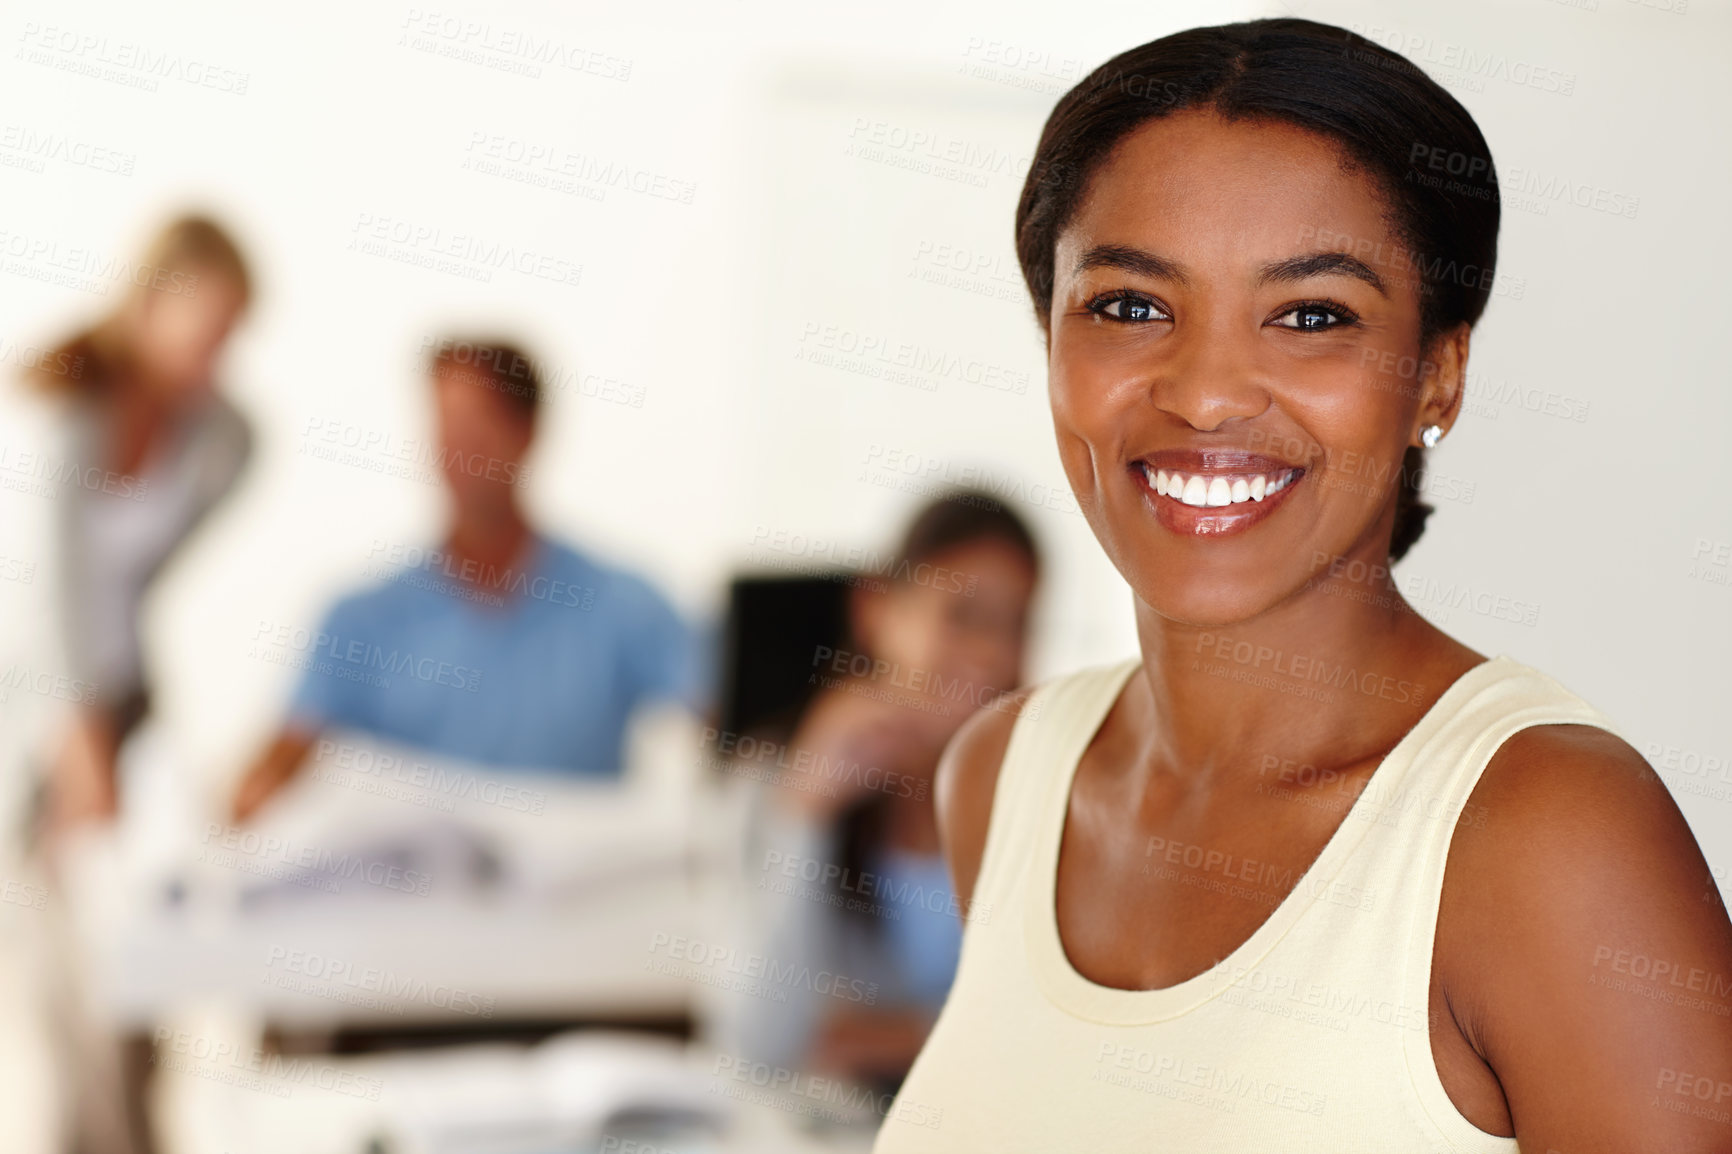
<point>962,518</point>
<point>1417,142</point>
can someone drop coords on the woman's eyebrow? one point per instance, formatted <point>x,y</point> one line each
<point>1141,262</point>
<point>1298,268</point>
<point>1132,260</point>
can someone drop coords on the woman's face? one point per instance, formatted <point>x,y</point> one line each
<point>960,626</point>
<point>179,335</point>
<point>1207,323</point>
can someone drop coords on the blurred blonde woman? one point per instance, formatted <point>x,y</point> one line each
<point>151,446</point>
<point>146,447</point>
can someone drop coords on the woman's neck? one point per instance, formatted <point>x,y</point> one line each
<point>138,416</point>
<point>1323,679</point>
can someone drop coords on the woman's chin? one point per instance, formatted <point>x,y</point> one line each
<point>1204,606</point>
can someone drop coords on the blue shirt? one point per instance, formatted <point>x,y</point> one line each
<point>925,937</point>
<point>540,675</point>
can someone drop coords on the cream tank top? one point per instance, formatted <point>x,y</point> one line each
<point>1312,1036</point>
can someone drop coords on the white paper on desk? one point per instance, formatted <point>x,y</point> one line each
<point>483,832</point>
<point>568,1090</point>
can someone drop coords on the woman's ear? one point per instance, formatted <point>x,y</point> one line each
<point>1443,389</point>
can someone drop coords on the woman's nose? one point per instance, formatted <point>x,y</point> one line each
<point>1210,375</point>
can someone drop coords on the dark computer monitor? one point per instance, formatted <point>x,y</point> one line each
<point>775,627</point>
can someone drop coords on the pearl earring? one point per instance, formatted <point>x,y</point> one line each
<point>1430,435</point>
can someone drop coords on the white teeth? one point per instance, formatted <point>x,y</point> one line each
<point>1214,492</point>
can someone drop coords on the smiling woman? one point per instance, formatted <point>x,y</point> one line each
<point>1307,874</point>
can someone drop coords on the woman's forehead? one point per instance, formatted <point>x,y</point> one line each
<point>1201,189</point>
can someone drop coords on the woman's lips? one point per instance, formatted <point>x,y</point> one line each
<point>1212,503</point>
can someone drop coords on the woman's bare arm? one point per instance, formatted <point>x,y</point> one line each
<point>965,784</point>
<point>1589,957</point>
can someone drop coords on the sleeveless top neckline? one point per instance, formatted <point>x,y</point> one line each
<point>1077,994</point>
<point>1312,1037</point>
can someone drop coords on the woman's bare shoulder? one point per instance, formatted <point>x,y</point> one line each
<point>966,782</point>
<point>1583,942</point>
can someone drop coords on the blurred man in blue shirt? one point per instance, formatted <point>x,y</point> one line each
<point>501,647</point>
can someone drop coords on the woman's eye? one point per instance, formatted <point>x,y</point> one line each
<point>1131,309</point>
<point>1313,318</point>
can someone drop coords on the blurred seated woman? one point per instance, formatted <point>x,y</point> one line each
<point>877,934</point>
<point>151,446</point>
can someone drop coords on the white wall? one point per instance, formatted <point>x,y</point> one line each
<point>705,307</point>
